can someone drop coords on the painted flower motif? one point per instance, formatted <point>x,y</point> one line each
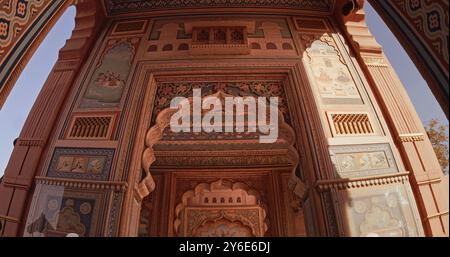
<point>166,90</point>
<point>3,29</point>
<point>258,89</point>
<point>415,4</point>
<point>274,90</point>
<point>21,9</point>
<point>162,101</point>
<point>183,89</point>
<point>220,87</point>
<point>433,21</point>
<point>245,87</point>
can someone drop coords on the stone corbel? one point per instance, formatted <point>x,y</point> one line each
<point>88,21</point>
<point>354,26</point>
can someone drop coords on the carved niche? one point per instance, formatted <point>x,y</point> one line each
<point>221,209</point>
<point>330,72</point>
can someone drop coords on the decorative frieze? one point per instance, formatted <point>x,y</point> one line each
<point>83,184</point>
<point>352,183</point>
<point>115,7</point>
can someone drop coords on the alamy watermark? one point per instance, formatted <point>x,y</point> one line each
<point>236,110</point>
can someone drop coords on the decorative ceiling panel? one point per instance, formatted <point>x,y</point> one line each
<point>116,7</point>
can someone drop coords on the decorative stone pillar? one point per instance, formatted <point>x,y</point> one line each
<point>422,29</point>
<point>366,192</point>
<point>426,177</point>
<point>18,180</point>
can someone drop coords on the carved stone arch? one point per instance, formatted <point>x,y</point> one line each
<point>242,204</point>
<point>17,53</point>
<point>155,134</point>
<point>309,40</point>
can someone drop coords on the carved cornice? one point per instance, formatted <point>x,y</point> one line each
<point>31,142</point>
<point>83,184</point>
<point>372,61</point>
<point>116,7</point>
<point>353,183</point>
<point>405,138</point>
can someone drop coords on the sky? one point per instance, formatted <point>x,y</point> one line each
<point>19,103</point>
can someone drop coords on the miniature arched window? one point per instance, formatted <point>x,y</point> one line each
<point>153,48</point>
<point>287,46</point>
<point>255,46</point>
<point>183,47</point>
<point>167,47</point>
<point>271,46</point>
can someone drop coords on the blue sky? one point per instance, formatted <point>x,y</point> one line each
<point>23,95</point>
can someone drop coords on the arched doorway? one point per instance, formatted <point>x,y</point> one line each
<point>220,184</point>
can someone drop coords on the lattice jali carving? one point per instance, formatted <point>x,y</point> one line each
<point>234,207</point>
<point>351,124</point>
<point>91,127</point>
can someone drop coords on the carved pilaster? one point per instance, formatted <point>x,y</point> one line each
<point>417,153</point>
<point>25,160</point>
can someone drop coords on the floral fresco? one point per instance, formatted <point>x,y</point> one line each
<point>108,81</point>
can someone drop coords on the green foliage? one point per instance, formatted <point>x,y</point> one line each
<point>438,135</point>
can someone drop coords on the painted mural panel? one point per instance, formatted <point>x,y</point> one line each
<point>79,163</point>
<point>109,79</point>
<point>387,211</point>
<point>60,211</point>
<point>362,160</point>
<point>331,75</point>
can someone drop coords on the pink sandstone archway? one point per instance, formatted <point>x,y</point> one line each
<point>90,16</point>
<point>427,49</point>
<point>155,134</point>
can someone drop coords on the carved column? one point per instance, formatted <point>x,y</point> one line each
<point>18,181</point>
<point>426,177</point>
<point>422,29</point>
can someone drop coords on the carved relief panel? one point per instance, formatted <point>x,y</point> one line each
<point>381,211</point>
<point>220,209</point>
